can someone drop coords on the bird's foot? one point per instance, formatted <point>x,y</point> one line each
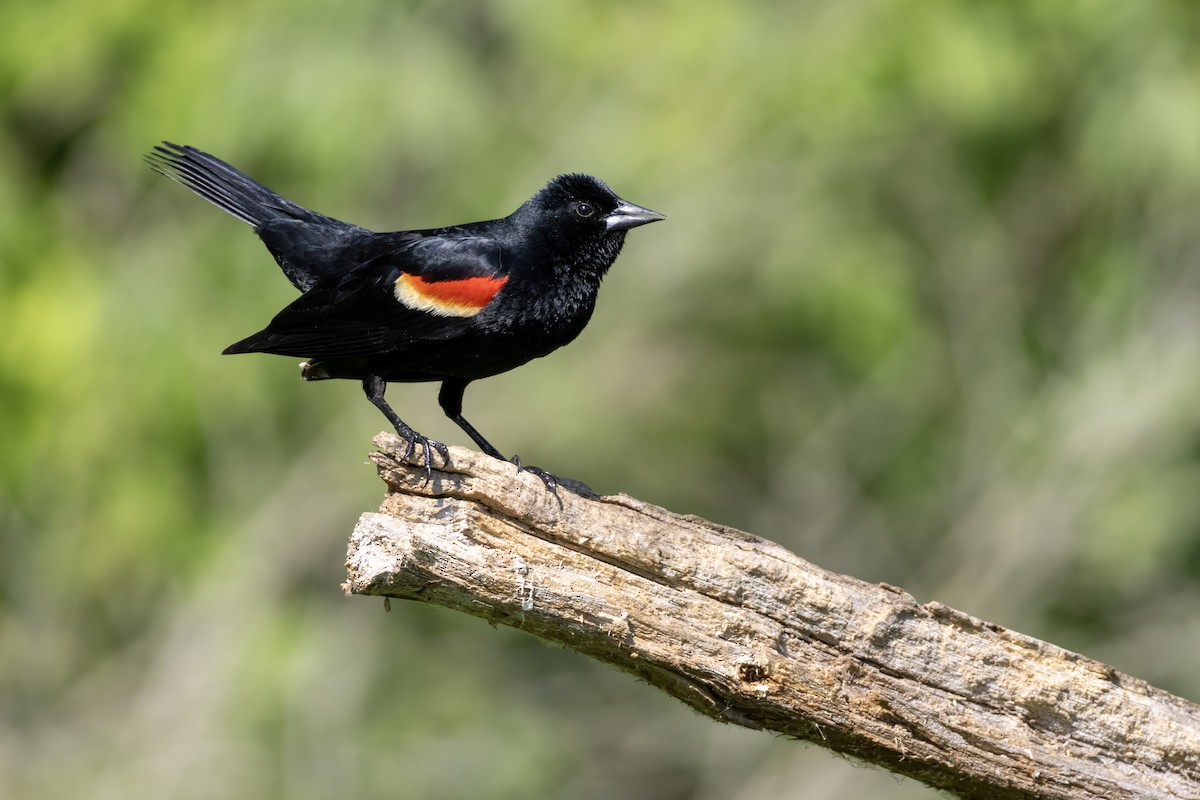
<point>550,480</point>
<point>428,446</point>
<point>554,482</point>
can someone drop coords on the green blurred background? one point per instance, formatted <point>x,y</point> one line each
<point>925,311</point>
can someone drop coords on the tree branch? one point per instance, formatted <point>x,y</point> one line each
<point>748,633</point>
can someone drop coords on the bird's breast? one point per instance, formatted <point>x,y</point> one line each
<point>559,310</point>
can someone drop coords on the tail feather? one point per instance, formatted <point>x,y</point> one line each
<point>305,244</point>
<point>225,187</point>
<point>253,343</point>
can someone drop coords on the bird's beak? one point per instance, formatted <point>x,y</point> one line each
<point>627,215</point>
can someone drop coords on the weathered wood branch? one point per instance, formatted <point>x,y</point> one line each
<point>748,633</point>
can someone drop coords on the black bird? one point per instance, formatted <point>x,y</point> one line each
<point>451,304</point>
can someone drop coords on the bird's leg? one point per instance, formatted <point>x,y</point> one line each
<point>374,387</point>
<point>450,398</point>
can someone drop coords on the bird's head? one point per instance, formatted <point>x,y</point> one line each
<point>576,210</point>
<point>587,203</point>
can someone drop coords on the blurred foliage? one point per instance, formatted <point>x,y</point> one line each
<point>925,310</point>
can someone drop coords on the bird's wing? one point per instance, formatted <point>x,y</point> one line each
<point>419,288</point>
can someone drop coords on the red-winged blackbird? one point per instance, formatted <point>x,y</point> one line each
<point>450,304</point>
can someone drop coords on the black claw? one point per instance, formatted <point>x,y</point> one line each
<point>412,445</point>
<point>548,479</point>
<point>428,446</point>
<point>428,463</point>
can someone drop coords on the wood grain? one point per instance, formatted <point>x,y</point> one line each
<point>748,633</point>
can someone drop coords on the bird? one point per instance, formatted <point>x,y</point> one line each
<point>452,305</point>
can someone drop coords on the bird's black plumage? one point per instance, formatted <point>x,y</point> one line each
<point>450,304</point>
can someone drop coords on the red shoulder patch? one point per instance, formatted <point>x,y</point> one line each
<point>465,297</point>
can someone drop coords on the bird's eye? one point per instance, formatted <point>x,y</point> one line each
<point>585,209</point>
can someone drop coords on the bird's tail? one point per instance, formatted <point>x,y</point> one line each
<point>225,187</point>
